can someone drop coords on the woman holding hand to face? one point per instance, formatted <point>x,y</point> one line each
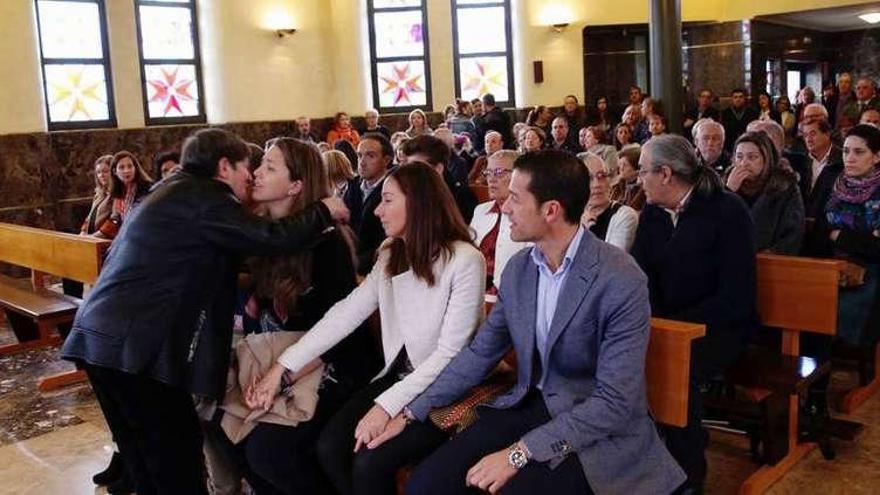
<point>771,192</point>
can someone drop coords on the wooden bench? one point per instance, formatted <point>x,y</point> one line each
<point>869,379</point>
<point>481,192</point>
<point>794,295</point>
<point>45,252</point>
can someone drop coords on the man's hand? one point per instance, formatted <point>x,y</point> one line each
<point>337,209</point>
<point>371,426</point>
<point>491,473</point>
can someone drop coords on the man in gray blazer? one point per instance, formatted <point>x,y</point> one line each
<point>576,312</point>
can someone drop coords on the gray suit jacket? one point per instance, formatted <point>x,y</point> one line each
<point>595,369</point>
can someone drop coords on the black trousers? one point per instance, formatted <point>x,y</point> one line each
<point>278,459</point>
<point>157,431</point>
<point>444,472</point>
<point>371,472</point>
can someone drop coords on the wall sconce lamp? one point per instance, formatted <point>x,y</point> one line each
<point>559,27</point>
<point>284,33</point>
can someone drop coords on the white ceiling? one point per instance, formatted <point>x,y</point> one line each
<point>831,19</point>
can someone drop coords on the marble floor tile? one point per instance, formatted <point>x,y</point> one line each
<point>61,462</point>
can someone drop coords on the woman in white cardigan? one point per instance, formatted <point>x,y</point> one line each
<point>490,227</point>
<point>613,222</point>
<point>428,285</point>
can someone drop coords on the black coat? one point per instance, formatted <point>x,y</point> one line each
<point>498,121</point>
<point>163,304</point>
<point>816,240</point>
<point>365,223</point>
<point>736,127</point>
<point>703,270</point>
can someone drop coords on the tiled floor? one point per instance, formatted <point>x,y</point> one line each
<point>53,443</point>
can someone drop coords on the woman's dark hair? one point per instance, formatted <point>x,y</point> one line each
<point>433,222</point>
<point>433,148</point>
<point>161,158</point>
<point>557,175</point>
<point>141,178</point>
<point>461,106</point>
<point>534,114</point>
<point>769,99</point>
<point>618,144</point>
<point>338,117</point>
<point>347,148</point>
<point>255,157</point>
<point>869,133</point>
<point>286,277</point>
<point>203,150</point>
<point>774,177</point>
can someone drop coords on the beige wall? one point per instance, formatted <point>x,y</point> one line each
<point>251,75</point>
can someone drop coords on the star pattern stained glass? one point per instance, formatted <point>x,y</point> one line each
<point>169,57</point>
<point>171,90</point>
<point>483,49</point>
<point>76,93</point>
<point>398,54</point>
<point>76,71</point>
<point>401,84</point>
<point>483,75</point>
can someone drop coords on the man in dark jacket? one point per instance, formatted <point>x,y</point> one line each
<point>496,120</point>
<point>435,153</point>
<point>690,216</point>
<point>363,195</point>
<point>736,117</point>
<point>157,327</point>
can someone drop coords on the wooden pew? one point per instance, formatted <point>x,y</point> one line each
<point>46,252</point>
<point>795,295</point>
<point>481,192</point>
<point>857,396</point>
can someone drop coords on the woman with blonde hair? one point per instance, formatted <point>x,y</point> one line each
<point>338,170</point>
<point>418,124</point>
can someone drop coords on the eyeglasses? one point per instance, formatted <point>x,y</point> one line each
<point>495,172</point>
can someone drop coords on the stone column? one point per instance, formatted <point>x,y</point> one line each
<point>666,82</point>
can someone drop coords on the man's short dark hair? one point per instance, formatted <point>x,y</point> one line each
<point>557,175</point>
<point>434,150</point>
<point>489,99</point>
<point>384,142</point>
<point>203,150</point>
<point>738,90</point>
<point>165,156</point>
<point>573,97</point>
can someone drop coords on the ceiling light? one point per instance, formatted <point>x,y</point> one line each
<point>871,17</point>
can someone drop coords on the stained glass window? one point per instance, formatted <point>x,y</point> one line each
<point>170,62</point>
<point>482,49</point>
<point>75,63</point>
<point>400,70</point>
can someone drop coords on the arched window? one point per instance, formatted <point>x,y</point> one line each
<point>481,40</point>
<point>399,60</point>
<point>168,43</point>
<point>75,63</point>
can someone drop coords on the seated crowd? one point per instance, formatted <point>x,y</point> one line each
<point>589,215</point>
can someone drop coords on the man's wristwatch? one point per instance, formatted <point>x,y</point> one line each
<point>517,457</point>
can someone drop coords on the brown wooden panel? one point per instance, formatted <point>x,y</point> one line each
<point>65,255</point>
<point>667,369</point>
<point>481,192</point>
<point>798,293</point>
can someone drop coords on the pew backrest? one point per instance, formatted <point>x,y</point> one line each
<point>796,293</point>
<point>69,256</point>
<point>667,369</point>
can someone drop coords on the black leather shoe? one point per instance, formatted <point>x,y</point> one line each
<point>113,472</point>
